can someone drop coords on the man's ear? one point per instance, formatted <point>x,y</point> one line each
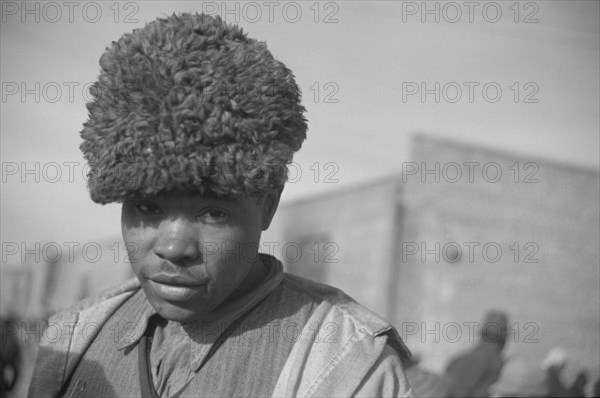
<point>269,207</point>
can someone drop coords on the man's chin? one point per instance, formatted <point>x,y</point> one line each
<point>175,313</point>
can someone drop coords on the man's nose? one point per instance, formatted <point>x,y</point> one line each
<point>178,241</point>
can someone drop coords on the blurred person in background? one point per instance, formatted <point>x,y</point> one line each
<point>10,353</point>
<point>553,364</point>
<point>472,373</point>
<point>577,388</point>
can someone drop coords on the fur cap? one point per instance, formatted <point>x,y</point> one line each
<point>190,103</point>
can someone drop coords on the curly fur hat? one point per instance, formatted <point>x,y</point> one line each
<point>190,103</point>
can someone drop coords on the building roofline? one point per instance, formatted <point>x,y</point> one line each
<point>388,179</point>
<point>421,136</point>
<point>499,152</point>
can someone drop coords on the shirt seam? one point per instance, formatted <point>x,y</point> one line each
<point>71,337</point>
<point>336,360</point>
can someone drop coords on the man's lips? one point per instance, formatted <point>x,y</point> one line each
<point>176,288</point>
<point>178,280</point>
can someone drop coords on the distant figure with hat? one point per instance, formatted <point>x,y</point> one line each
<point>472,373</point>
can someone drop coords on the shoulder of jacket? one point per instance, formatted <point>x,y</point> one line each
<point>336,306</point>
<point>124,289</point>
<point>337,303</point>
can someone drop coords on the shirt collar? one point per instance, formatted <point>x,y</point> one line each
<point>136,327</point>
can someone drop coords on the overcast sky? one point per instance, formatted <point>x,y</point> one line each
<point>359,65</point>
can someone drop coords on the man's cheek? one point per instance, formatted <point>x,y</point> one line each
<point>218,254</point>
<point>210,250</point>
<point>217,245</point>
<point>133,250</point>
<point>235,249</point>
<point>138,243</point>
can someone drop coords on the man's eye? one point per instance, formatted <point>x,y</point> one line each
<point>213,216</point>
<point>147,209</point>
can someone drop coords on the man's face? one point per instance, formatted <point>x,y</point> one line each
<point>192,252</point>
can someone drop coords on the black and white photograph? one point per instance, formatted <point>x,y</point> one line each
<point>300,198</point>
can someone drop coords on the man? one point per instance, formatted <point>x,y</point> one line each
<point>471,374</point>
<point>191,129</point>
<point>10,356</point>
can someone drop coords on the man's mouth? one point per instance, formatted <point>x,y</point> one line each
<point>175,288</point>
